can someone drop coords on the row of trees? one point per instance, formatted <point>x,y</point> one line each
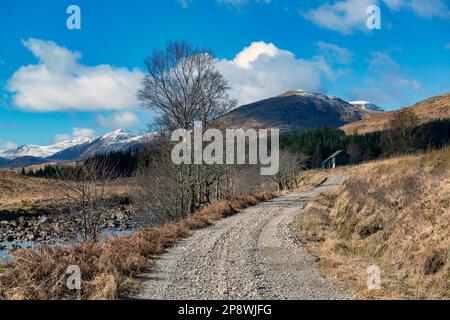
<point>125,163</point>
<point>182,86</point>
<point>403,135</point>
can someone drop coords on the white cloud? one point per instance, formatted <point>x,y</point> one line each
<point>387,83</point>
<point>7,145</point>
<point>250,54</point>
<point>341,16</point>
<point>118,120</point>
<point>347,16</point>
<point>60,82</point>
<point>82,132</point>
<point>61,138</point>
<point>76,133</point>
<point>262,70</point>
<point>423,8</point>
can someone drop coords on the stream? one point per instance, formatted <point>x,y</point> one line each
<point>6,247</point>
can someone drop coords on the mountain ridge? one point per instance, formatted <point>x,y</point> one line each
<point>76,149</point>
<point>434,108</point>
<point>291,110</point>
<point>296,110</point>
<point>41,151</point>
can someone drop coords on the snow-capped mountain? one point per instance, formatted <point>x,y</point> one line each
<point>366,105</point>
<point>119,140</point>
<point>29,150</point>
<point>313,96</point>
<point>77,149</point>
<point>292,110</point>
<point>296,110</point>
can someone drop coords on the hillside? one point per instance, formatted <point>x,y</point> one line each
<point>296,110</point>
<point>19,192</point>
<point>437,107</point>
<point>22,193</point>
<point>391,213</point>
<point>22,162</point>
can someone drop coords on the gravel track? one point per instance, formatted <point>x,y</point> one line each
<point>254,254</point>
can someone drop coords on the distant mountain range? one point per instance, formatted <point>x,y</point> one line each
<point>42,151</point>
<point>119,140</point>
<point>292,110</point>
<point>437,107</point>
<point>297,110</point>
<point>75,149</point>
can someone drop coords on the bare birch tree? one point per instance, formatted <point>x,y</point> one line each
<point>87,199</point>
<point>399,134</point>
<point>291,163</point>
<point>183,86</point>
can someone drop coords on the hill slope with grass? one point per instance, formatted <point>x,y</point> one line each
<point>392,213</point>
<point>19,192</point>
<point>437,107</point>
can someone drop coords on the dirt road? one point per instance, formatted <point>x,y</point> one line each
<point>255,254</point>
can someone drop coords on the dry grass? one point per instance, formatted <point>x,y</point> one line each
<point>393,213</point>
<point>19,192</point>
<point>109,268</point>
<point>310,179</point>
<point>430,109</point>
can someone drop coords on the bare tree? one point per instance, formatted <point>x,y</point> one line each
<point>290,166</point>
<point>399,136</point>
<point>161,190</point>
<point>183,86</point>
<point>87,199</point>
<point>354,152</point>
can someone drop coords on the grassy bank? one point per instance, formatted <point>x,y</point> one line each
<point>21,193</point>
<point>109,268</point>
<point>393,213</point>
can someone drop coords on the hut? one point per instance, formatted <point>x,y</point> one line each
<point>339,158</point>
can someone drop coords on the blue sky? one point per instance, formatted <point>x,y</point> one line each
<point>57,83</point>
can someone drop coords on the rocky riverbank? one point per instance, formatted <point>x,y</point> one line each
<point>44,225</point>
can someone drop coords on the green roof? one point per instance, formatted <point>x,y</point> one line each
<point>332,156</point>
